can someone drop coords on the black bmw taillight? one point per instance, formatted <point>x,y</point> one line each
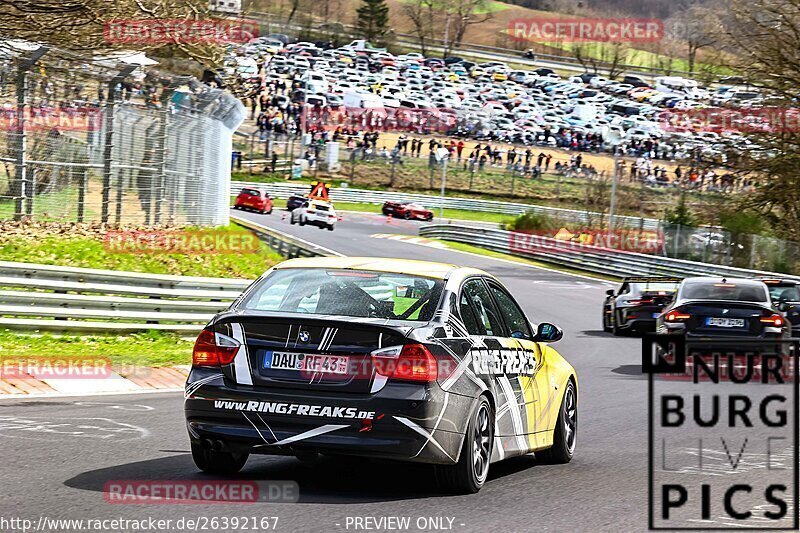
<point>214,349</point>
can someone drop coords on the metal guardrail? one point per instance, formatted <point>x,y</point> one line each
<point>367,196</point>
<point>603,261</point>
<point>68,299</point>
<point>287,246</point>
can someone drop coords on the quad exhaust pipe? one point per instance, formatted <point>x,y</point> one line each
<point>216,445</point>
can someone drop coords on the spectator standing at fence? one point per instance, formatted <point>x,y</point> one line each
<point>459,149</point>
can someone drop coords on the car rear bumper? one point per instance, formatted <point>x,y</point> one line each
<point>323,221</point>
<point>638,319</point>
<point>401,422</point>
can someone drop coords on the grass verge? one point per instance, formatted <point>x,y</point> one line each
<point>85,246</point>
<point>151,348</point>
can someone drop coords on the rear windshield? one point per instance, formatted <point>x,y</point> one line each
<point>660,286</point>
<point>742,292</point>
<point>787,293</point>
<point>319,207</point>
<point>251,192</point>
<point>350,293</point>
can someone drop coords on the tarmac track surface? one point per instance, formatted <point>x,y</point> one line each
<point>61,452</point>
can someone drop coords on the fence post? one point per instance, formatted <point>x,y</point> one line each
<point>82,192</point>
<point>30,192</point>
<point>108,144</point>
<point>161,150</point>
<point>20,179</point>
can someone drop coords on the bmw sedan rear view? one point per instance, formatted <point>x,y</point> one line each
<point>383,358</point>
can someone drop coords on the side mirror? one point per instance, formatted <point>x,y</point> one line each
<point>610,292</point>
<point>547,332</point>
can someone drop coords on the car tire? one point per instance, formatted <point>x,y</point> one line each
<point>301,221</point>
<point>217,462</point>
<point>566,431</point>
<point>270,211</point>
<point>407,216</point>
<point>615,329</point>
<point>330,227</point>
<point>606,325</point>
<point>292,221</point>
<point>469,474</point>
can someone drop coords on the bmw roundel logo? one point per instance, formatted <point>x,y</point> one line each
<point>304,336</point>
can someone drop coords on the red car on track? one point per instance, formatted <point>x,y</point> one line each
<point>407,210</point>
<point>255,200</point>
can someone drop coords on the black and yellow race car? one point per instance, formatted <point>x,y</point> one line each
<point>636,304</point>
<point>385,358</point>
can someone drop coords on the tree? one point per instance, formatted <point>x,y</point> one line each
<point>762,40</point>
<point>373,20</point>
<point>83,25</point>
<point>422,14</point>
<point>460,15</point>
<point>680,215</point>
<point>696,25</point>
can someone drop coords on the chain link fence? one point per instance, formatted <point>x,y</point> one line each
<point>106,140</point>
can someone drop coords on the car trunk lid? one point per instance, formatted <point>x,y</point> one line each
<point>330,354</point>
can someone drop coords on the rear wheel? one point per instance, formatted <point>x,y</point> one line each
<point>330,227</point>
<point>566,432</point>
<point>469,474</point>
<point>407,215</point>
<point>615,329</point>
<point>606,325</point>
<point>301,220</point>
<point>217,462</point>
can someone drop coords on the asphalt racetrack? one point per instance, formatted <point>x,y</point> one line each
<point>61,452</point>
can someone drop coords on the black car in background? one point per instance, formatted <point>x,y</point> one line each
<point>637,303</point>
<point>785,295</point>
<point>719,307</point>
<point>295,201</point>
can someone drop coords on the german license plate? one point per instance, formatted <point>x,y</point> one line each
<point>725,322</point>
<point>306,362</point>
